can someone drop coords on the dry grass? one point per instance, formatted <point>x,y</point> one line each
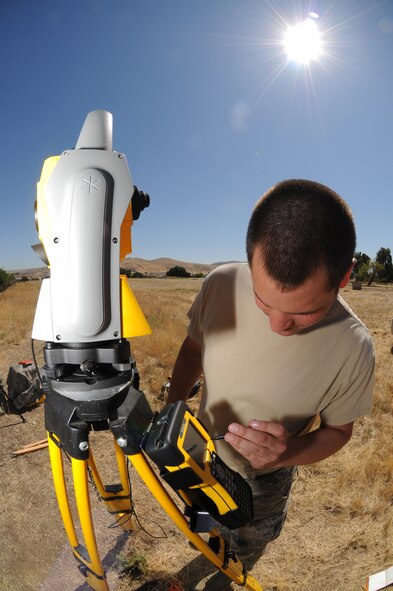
<point>340,524</point>
<point>165,303</point>
<point>17,305</point>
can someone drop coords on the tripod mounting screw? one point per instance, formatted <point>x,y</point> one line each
<point>83,446</point>
<point>122,442</point>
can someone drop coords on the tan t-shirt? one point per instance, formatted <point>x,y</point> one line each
<point>253,373</point>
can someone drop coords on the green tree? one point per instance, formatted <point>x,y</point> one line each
<point>363,272</point>
<point>126,272</point>
<point>6,280</point>
<point>384,258</point>
<point>361,266</point>
<point>177,272</point>
<point>375,270</point>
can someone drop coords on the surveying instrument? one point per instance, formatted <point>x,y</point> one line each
<point>86,312</point>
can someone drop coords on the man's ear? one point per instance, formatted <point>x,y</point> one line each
<point>347,275</point>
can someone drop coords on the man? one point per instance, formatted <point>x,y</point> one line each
<point>279,348</point>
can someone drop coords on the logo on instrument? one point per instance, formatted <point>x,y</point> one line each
<point>91,183</point>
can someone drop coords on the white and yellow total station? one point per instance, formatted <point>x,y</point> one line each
<point>86,312</point>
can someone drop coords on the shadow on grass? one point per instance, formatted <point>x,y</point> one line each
<point>184,579</point>
<point>110,558</point>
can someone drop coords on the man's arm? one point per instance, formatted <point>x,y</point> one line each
<point>267,445</point>
<point>187,370</point>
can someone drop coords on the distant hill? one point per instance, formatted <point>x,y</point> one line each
<point>155,267</point>
<point>162,265</point>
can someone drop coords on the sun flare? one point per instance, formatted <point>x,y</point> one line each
<point>302,42</point>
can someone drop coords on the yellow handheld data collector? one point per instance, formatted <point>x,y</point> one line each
<point>186,456</point>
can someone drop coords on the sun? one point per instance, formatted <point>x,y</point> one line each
<point>302,42</point>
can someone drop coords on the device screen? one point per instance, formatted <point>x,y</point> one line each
<point>195,445</point>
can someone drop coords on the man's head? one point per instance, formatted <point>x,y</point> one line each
<point>300,245</point>
<point>300,227</point>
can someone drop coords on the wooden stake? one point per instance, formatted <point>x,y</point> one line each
<point>42,444</point>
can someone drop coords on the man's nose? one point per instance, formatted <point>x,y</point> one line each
<point>280,322</point>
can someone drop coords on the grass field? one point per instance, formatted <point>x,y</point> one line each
<point>340,523</point>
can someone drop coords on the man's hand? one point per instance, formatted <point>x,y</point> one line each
<point>268,445</point>
<point>262,443</point>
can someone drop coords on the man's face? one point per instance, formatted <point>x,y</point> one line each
<point>291,311</point>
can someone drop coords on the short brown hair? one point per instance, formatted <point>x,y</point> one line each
<point>300,226</point>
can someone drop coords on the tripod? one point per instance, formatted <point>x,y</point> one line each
<point>85,314</point>
<point>127,414</point>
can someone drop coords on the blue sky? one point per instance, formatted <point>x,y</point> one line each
<point>207,108</point>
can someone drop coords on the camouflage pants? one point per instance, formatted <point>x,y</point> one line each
<point>271,497</point>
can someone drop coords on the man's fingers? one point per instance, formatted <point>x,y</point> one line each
<point>251,440</point>
<point>259,438</point>
<point>261,443</point>
<point>245,447</point>
<point>275,429</point>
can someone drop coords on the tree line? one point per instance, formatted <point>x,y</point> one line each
<point>176,271</point>
<point>379,269</point>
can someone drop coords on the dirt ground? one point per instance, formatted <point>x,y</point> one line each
<point>330,536</point>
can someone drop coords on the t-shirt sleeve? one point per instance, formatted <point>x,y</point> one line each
<point>204,304</point>
<point>353,401</point>
<point>195,315</point>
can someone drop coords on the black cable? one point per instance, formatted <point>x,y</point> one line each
<point>134,513</point>
<point>36,366</point>
<point>131,513</point>
<point>118,522</point>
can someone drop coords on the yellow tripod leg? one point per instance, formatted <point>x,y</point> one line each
<point>94,572</point>
<point>56,461</point>
<point>88,559</point>
<point>116,497</point>
<point>232,567</point>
